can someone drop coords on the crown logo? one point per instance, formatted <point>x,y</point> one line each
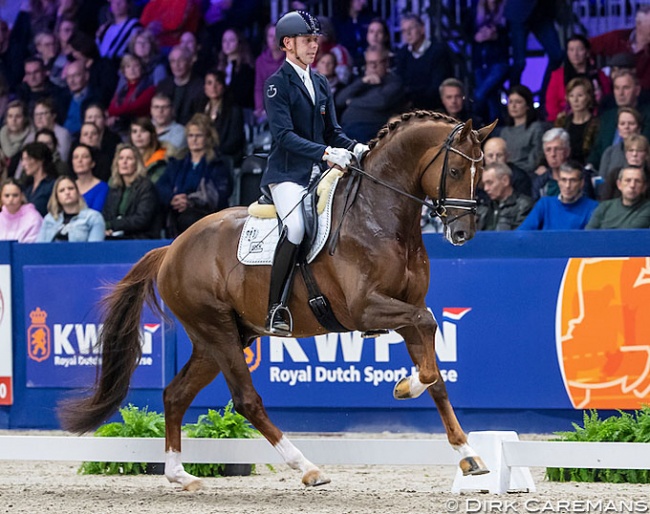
<point>38,316</point>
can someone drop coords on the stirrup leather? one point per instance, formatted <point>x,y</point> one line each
<point>280,321</point>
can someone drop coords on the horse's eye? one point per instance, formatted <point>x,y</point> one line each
<point>454,172</point>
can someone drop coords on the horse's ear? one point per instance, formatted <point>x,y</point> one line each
<point>484,132</point>
<point>467,130</point>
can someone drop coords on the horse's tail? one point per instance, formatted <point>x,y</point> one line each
<point>120,343</point>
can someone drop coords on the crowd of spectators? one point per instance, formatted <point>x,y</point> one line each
<point>123,119</point>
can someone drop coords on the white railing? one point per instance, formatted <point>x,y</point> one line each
<point>506,456</point>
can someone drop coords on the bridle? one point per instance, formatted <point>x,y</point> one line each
<point>440,206</point>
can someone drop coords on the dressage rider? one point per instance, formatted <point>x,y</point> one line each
<point>305,132</point>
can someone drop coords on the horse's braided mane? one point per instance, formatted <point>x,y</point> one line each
<point>406,118</point>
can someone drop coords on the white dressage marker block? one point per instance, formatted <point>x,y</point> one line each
<point>501,478</point>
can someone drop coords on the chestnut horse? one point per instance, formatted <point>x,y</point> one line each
<point>377,278</point>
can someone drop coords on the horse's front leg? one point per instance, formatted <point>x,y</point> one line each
<point>418,328</point>
<point>420,342</point>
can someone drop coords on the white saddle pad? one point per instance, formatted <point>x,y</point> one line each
<point>259,237</point>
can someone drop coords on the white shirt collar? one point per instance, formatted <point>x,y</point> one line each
<point>303,74</point>
<point>420,51</point>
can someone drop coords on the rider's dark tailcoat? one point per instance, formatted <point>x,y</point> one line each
<point>301,130</point>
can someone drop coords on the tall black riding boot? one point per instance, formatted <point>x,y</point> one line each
<point>279,320</point>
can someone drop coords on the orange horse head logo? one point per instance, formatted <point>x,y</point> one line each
<point>603,334</point>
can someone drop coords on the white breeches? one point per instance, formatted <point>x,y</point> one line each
<point>287,197</point>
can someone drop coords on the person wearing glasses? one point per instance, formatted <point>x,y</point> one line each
<point>167,129</point>
<point>372,99</point>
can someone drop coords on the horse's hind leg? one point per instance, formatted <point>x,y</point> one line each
<point>197,373</point>
<point>421,348</point>
<point>249,404</point>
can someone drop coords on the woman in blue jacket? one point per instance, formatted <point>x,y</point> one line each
<point>68,217</point>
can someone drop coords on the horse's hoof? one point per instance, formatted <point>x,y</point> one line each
<point>314,478</point>
<point>194,485</point>
<point>473,466</point>
<point>402,390</point>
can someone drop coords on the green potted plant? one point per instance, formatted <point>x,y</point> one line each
<point>135,423</point>
<point>215,425</point>
<point>626,427</point>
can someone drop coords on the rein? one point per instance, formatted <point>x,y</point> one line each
<point>439,206</point>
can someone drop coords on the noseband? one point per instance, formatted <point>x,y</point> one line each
<point>439,206</point>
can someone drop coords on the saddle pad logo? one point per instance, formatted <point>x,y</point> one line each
<point>260,236</point>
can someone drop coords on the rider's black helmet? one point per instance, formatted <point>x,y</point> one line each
<point>296,23</point>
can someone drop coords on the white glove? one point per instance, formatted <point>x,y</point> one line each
<point>359,151</point>
<point>339,156</point>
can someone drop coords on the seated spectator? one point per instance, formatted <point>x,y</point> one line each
<point>327,44</point>
<point>168,19</point>
<point>48,138</point>
<point>36,86</point>
<point>227,117</point>
<point>570,210</point>
<point>506,208</point>
<point>371,100</point>
<point>143,45</point>
<point>153,154</point>
<point>89,136</point>
<point>557,150</point>
<point>108,140</point>
<point>631,210</point>
<point>634,41</point>
<point>19,220</point>
<point>103,73</point>
<point>326,66</point>
<point>421,64</point>
<point>490,51</point>
<point>580,123</point>
<point>266,65</point>
<point>196,185</point>
<point>495,149</point>
<point>378,34</point>
<point>236,61</point>
<point>132,209</point>
<point>626,94</point>
<point>637,154</point>
<point>577,64</point>
<point>133,99</point>
<point>65,27</point>
<point>40,174</point>
<point>114,35</point>
<point>47,50</point>
<point>45,118</point>
<point>91,188</point>
<point>452,96</point>
<point>16,129</point>
<point>352,26</point>
<point>523,133</point>
<point>629,123</point>
<point>77,78</point>
<point>68,217</point>
<point>182,87</point>
<point>168,131</point>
